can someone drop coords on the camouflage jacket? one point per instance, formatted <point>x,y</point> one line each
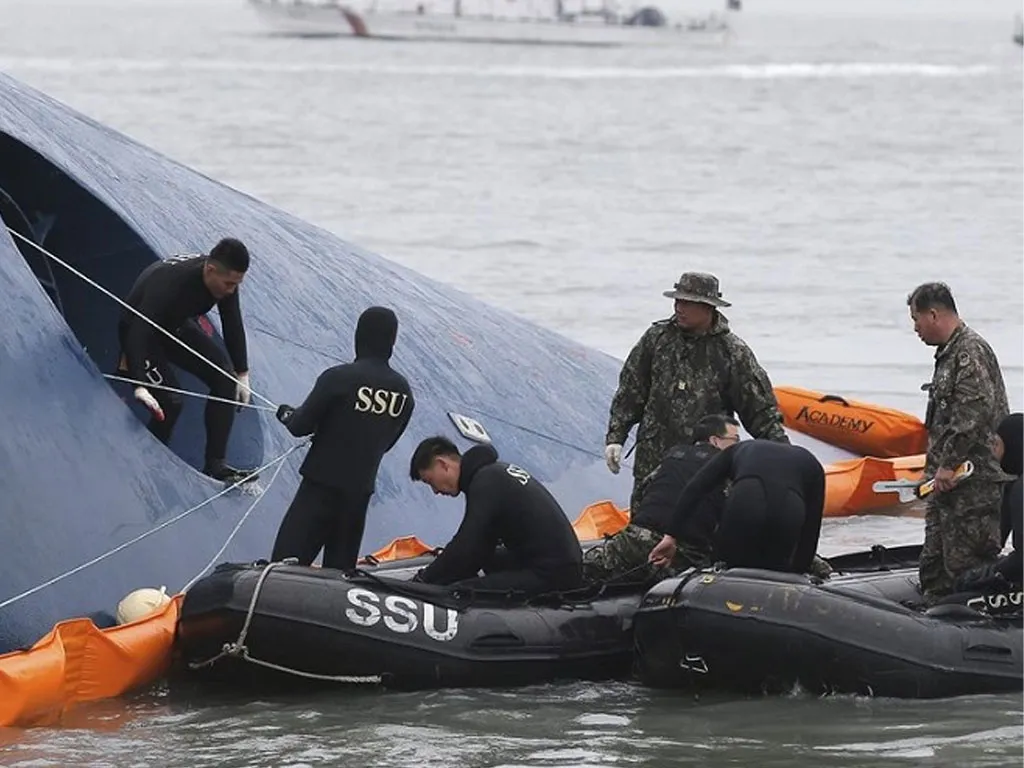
<point>966,402</point>
<point>672,378</point>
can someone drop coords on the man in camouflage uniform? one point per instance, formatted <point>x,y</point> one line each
<point>681,369</point>
<point>626,552</point>
<point>966,402</point>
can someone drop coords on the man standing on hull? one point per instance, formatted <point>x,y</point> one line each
<point>356,413</point>
<point>173,293</point>
<point>682,369</point>
<point>966,403</point>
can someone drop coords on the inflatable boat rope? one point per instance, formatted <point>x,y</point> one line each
<point>278,461</point>
<point>238,526</point>
<point>189,392</point>
<point>239,650</point>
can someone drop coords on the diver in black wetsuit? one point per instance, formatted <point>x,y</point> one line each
<point>772,513</point>
<point>504,505</point>
<point>356,413</point>
<point>1008,448</point>
<point>174,293</point>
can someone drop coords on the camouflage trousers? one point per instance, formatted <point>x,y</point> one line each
<point>626,552</point>
<point>961,530</point>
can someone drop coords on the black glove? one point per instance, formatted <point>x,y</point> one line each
<point>284,413</point>
<point>417,576</point>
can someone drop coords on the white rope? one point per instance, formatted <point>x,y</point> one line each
<point>124,304</point>
<point>150,385</point>
<point>237,527</point>
<point>348,679</point>
<point>125,545</point>
<point>239,650</point>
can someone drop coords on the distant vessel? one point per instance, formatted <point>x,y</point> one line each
<point>553,22</point>
<point>1018,34</point>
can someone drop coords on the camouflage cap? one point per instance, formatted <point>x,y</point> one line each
<point>700,287</point>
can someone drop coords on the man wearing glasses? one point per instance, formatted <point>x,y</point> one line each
<point>772,517</point>
<point>626,552</point>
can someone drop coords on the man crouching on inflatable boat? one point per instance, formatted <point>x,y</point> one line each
<point>504,505</point>
<point>996,587</point>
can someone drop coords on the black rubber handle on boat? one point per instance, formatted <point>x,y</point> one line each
<point>833,399</point>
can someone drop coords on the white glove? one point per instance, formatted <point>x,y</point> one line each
<point>613,457</point>
<point>144,396</point>
<point>242,392</point>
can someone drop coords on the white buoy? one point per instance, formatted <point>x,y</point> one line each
<point>141,603</point>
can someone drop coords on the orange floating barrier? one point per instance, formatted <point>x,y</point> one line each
<point>600,519</point>
<point>848,484</point>
<point>399,549</point>
<point>77,662</point>
<point>858,427</point>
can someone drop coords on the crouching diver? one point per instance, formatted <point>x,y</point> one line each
<point>173,293</point>
<point>1004,575</point>
<point>627,550</point>
<point>504,505</point>
<point>772,514</point>
<point>356,413</point>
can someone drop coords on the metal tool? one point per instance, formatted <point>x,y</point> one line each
<point>909,490</point>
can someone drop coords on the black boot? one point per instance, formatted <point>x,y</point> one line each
<point>227,474</point>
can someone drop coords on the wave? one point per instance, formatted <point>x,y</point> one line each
<point>774,71</point>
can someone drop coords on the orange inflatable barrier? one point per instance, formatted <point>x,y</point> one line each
<point>599,520</point>
<point>76,662</point>
<point>848,484</point>
<point>399,549</point>
<point>858,427</point>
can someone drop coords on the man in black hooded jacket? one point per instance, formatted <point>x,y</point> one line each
<point>356,413</point>
<point>504,505</point>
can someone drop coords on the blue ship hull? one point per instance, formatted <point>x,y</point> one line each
<point>80,472</point>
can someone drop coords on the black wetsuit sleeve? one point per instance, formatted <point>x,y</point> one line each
<point>234,332</point>
<point>1016,512</point>
<point>329,385</point>
<point>1013,512</point>
<point>713,473</point>
<point>139,334</point>
<point>814,504</point>
<point>472,545</point>
<point>406,416</point>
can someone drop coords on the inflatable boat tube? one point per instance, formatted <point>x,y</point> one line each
<point>303,625</point>
<point>752,631</point>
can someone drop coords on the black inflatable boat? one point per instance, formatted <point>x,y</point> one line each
<point>863,631</point>
<point>259,625</point>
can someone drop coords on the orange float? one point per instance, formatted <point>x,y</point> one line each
<point>76,662</point>
<point>399,549</point>
<point>848,484</point>
<point>863,428</point>
<point>599,520</point>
